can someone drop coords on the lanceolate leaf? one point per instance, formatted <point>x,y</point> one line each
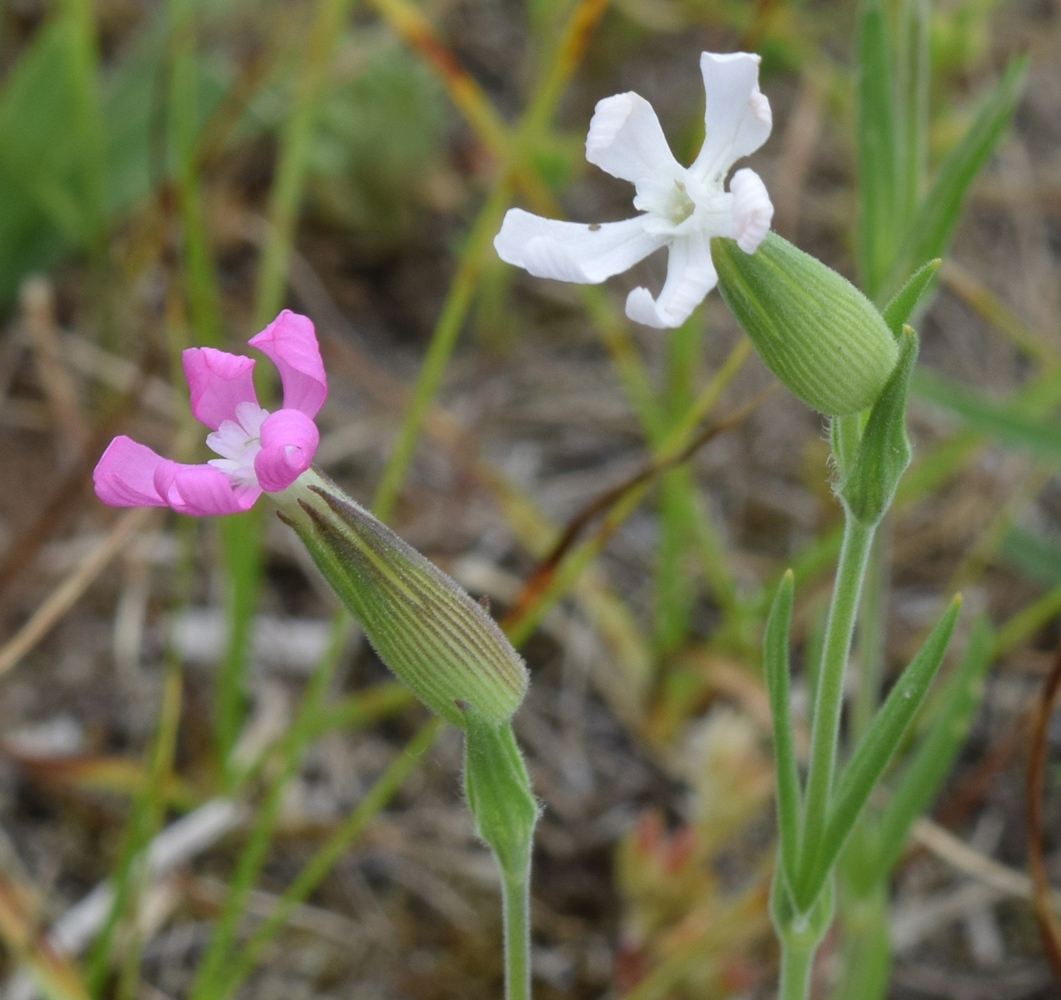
<point>902,305</point>
<point>931,760</point>
<point>776,668</point>
<point>1033,555</point>
<point>1002,421</point>
<point>871,756</point>
<point>884,452</point>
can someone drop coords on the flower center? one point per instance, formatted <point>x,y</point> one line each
<point>238,442</point>
<point>681,204</point>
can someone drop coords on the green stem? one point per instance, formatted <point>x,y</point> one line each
<point>871,630</point>
<point>825,731</point>
<point>797,960</point>
<point>515,898</point>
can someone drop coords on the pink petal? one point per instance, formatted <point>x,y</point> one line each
<point>124,475</point>
<point>291,344</point>
<point>289,440</point>
<point>218,381</point>
<point>202,489</point>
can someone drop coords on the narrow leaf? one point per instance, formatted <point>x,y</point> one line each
<point>1002,421</point>
<point>877,159</point>
<point>934,222</point>
<point>902,305</point>
<point>871,756</point>
<point>930,762</point>
<point>776,670</point>
<point>1034,556</point>
<point>912,77</point>
<point>499,792</point>
<point>884,452</point>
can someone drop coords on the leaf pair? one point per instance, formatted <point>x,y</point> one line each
<point>806,866</point>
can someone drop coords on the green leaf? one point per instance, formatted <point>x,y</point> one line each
<point>931,760</point>
<point>884,452</point>
<point>776,666</point>
<point>934,222</point>
<point>878,182</point>
<point>1036,557</point>
<point>871,756</point>
<point>1003,421</point>
<point>912,76</point>
<point>499,791</point>
<point>898,311</point>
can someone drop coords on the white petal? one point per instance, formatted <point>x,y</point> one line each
<point>737,118</point>
<point>752,209</point>
<point>690,276</point>
<point>573,251</point>
<point>626,140</point>
<point>228,440</point>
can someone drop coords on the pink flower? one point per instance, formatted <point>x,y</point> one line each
<point>258,450</point>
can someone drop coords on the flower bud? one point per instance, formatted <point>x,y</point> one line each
<point>438,641</point>
<point>814,330</point>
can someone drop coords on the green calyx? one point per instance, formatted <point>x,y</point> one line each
<point>819,335</point>
<point>437,641</point>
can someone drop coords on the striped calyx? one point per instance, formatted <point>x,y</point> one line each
<point>814,330</point>
<point>436,640</point>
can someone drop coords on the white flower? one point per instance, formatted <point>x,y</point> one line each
<point>682,207</point>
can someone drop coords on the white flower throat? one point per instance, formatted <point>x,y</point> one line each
<point>238,442</point>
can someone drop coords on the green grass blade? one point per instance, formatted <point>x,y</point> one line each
<point>296,136</point>
<point>935,220</point>
<point>675,590</point>
<point>252,857</point>
<point>871,756</point>
<point>373,802</point>
<point>776,666</point>
<point>1035,557</point>
<point>931,760</point>
<point>243,558</point>
<point>912,78</point>
<point>876,137</point>
<point>1002,421</point>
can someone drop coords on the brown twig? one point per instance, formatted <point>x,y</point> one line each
<point>1049,928</point>
<point>544,572</point>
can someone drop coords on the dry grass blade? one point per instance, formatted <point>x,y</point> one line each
<point>38,308</point>
<point>1049,927</point>
<point>544,572</point>
<point>76,583</point>
<point>44,965</point>
<point>972,862</point>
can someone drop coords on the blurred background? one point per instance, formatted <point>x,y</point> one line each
<point>172,174</point>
